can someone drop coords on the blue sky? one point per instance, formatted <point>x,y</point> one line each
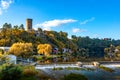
<point>94,18</point>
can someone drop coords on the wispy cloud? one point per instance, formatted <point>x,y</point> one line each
<point>87,20</point>
<point>4,5</point>
<point>47,25</point>
<point>76,30</point>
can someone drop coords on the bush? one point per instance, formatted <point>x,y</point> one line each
<point>106,69</point>
<point>42,76</point>
<point>34,58</point>
<point>59,68</point>
<point>29,71</point>
<point>11,72</point>
<point>69,68</point>
<point>76,68</point>
<point>28,78</point>
<point>73,76</point>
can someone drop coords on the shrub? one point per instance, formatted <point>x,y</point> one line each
<point>42,76</point>
<point>34,58</point>
<point>76,68</point>
<point>59,68</point>
<point>73,76</point>
<point>106,69</point>
<point>29,71</point>
<point>90,69</point>
<point>69,68</point>
<point>39,58</point>
<point>11,72</point>
<point>28,78</point>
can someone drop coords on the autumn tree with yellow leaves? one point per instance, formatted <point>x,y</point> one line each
<point>45,49</point>
<point>21,49</point>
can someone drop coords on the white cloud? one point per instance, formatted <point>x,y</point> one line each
<point>76,30</point>
<point>88,20</point>
<point>4,5</point>
<point>47,25</point>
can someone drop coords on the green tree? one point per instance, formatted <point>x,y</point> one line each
<point>15,27</point>
<point>83,52</point>
<point>7,26</point>
<point>21,27</point>
<point>11,72</point>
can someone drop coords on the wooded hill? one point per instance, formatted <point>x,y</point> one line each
<point>80,46</point>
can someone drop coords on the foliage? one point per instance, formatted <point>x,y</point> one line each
<point>69,68</point>
<point>45,49</point>
<point>74,68</point>
<point>29,71</point>
<point>43,76</point>
<point>106,69</point>
<point>73,76</point>
<point>59,68</point>
<point>22,49</point>
<point>40,58</point>
<point>17,72</point>
<point>28,78</point>
<point>11,72</point>
<point>4,59</point>
<point>81,47</point>
<point>117,51</point>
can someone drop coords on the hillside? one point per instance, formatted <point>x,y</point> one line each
<point>79,46</point>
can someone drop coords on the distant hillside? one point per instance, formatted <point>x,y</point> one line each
<point>83,46</point>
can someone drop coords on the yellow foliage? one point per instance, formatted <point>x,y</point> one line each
<point>21,49</point>
<point>1,55</point>
<point>52,35</point>
<point>45,49</point>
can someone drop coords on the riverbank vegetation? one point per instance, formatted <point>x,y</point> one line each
<point>19,72</point>
<point>106,69</point>
<point>73,76</point>
<point>74,68</point>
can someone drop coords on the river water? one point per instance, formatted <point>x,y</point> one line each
<point>96,74</point>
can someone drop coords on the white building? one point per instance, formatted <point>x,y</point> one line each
<point>12,59</point>
<point>5,48</point>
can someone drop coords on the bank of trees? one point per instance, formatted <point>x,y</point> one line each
<point>80,46</point>
<point>25,50</point>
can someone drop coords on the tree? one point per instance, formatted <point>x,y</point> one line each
<point>16,27</point>
<point>117,51</point>
<point>45,49</point>
<point>11,72</point>
<point>7,26</point>
<point>39,30</point>
<point>110,51</point>
<point>21,49</point>
<point>83,52</point>
<point>21,27</point>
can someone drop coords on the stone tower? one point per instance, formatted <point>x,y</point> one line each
<point>29,24</point>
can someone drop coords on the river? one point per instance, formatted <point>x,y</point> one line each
<point>96,74</point>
